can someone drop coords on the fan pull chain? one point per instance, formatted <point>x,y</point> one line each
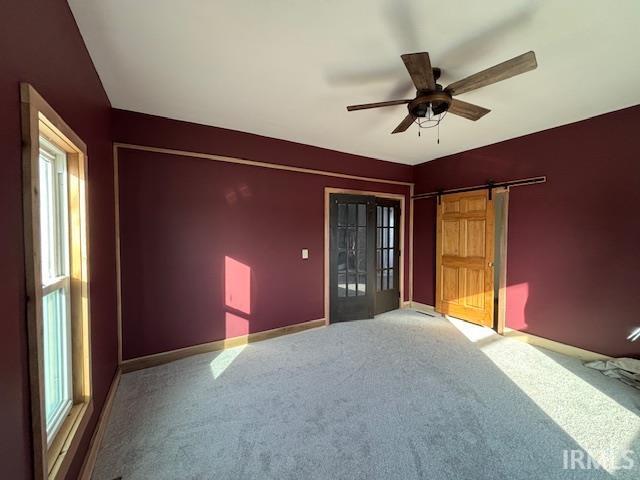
<point>438,133</point>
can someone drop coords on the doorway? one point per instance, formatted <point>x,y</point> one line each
<point>364,256</point>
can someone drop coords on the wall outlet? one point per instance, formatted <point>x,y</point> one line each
<point>305,253</point>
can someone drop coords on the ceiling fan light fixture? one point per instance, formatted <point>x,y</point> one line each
<point>430,119</point>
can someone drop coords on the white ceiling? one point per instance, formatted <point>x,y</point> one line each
<point>288,68</point>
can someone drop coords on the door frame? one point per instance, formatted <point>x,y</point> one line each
<point>327,232</point>
<point>501,237</point>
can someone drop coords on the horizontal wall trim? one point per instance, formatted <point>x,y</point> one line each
<point>253,163</point>
<point>152,360</point>
<point>101,427</point>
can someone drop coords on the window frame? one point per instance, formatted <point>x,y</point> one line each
<point>53,457</point>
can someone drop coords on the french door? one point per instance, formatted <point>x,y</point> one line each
<point>351,276</point>
<point>364,256</point>
<point>387,255</point>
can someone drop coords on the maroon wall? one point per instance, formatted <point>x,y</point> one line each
<point>573,242</point>
<point>40,44</point>
<point>182,217</point>
<point>138,128</point>
<point>424,259</point>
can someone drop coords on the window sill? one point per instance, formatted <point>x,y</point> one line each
<point>65,444</point>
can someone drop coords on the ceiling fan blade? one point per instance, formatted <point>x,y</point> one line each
<point>404,124</point>
<point>467,110</point>
<point>497,73</point>
<point>364,106</point>
<point>419,67</point>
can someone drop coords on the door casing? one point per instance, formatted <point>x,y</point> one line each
<point>500,261</point>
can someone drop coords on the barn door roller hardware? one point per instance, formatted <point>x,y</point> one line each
<point>490,185</point>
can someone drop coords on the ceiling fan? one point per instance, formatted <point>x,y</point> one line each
<point>433,100</point>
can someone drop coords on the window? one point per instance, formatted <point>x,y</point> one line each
<point>54,254</point>
<point>56,261</point>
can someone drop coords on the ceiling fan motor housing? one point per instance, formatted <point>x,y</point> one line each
<point>439,100</point>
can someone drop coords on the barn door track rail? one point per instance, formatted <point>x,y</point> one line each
<point>490,185</point>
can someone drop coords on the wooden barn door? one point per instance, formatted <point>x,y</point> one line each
<point>464,257</point>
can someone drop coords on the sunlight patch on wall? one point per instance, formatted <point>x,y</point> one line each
<point>235,326</point>
<point>237,285</point>
<point>245,191</point>
<point>232,195</point>
<point>517,297</point>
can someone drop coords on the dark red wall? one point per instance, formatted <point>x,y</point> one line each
<point>138,128</point>
<point>424,260</point>
<point>573,243</point>
<point>181,217</point>
<point>573,258</point>
<point>40,44</point>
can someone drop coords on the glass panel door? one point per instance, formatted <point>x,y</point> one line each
<point>387,255</point>
<point>352,262</point>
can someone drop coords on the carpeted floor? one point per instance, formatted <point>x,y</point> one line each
<point>402,396</point>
